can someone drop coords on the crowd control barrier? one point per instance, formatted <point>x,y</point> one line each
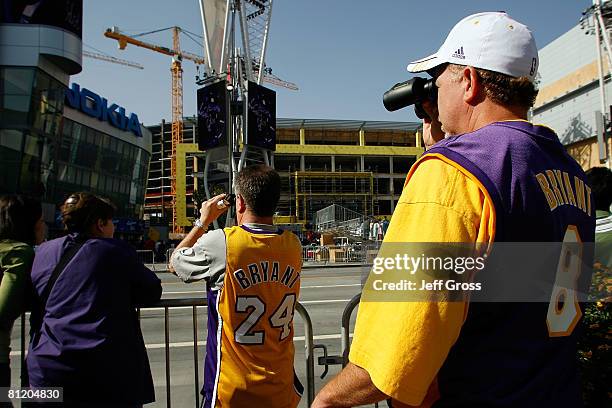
<point>147,257</point>
<point>194,303</point>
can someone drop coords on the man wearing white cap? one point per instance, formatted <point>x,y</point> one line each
<point>491,177</point>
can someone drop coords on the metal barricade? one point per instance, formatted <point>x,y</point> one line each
<point>169,252</point>
<point>198,302</point>
<point>345,328</point>
<point>147,257</point>
<point>315,254</point>
<point>194,303</point>
<point>309,347</point>
<point>345,337</point>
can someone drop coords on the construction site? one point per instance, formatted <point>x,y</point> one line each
<point>356,165</point>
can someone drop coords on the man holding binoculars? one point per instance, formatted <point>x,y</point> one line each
<point>486,179</point>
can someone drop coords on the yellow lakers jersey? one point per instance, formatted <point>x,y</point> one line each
<point>249,352</point>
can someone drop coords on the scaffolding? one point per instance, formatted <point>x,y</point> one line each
<point>315,190</point>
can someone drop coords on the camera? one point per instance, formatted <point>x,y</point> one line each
<point>228,201</point>
<point>412,92</point>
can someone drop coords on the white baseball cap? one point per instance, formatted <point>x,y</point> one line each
<point>491,41</point>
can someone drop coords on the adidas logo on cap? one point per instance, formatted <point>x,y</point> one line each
<point>459,53</point>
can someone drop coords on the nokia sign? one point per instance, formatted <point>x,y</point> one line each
<point>95,106</point>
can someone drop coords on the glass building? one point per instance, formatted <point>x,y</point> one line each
<point>51,146</point>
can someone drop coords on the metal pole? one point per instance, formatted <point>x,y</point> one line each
<point>309,345</point>
<point>602,84</point>
<point>209,67</point>
<point>230,133</point>
<point>167,346</point>
<point>602,91</point>
<point>604,33</point>
<point>246,44</point>
<point>262,58</point>
<point>242,157</point>
<point>195,357</point>
<point>228,8</point>
<point>24,372</point>
<point>345,329</point>
<point>206,189</point>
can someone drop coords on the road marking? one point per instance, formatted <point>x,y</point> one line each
<point>316,302</point>
<point>305,302</point>
<point>331,286</point>
<point>157,346</point>
<point>303,287</point>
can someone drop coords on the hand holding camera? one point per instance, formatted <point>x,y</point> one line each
<point>213,208</point>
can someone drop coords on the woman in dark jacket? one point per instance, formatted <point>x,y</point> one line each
<point>89,341</point>
<point>21,227</point>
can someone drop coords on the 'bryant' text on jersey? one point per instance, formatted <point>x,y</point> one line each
<point>558,189</point>
<point>266,271</point>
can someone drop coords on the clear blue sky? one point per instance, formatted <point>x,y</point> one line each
<point>343,54</point>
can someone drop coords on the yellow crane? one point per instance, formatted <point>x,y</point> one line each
<point>177,91</point>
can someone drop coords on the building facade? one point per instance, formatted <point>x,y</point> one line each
<point>569,99</point>
<point>54,140</point>
<point>158,201</point>
<point>360,165</point>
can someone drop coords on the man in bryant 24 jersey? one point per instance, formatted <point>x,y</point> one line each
<point>492,177</point>
<point>252,273</point>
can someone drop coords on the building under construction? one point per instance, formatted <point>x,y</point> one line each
<point>158,197</point>
<point>359,165</point>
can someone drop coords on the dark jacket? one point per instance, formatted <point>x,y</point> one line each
<point>90,341</point>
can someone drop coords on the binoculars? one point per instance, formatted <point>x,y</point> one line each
<point>412,92</point>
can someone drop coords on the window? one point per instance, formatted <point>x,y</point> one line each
<point>318,163</point>
<point>344,163</point>
<point>17,81</point>
<point>10,157</point>
<point>11,139</point>
<point>78,132</point>
<point>94,179</point>
<point>401,165</point>
<point>377,164</point>
<point>102,182</point>
<point>19,103</point>
<point>398,185</point>
<point>67,127</point>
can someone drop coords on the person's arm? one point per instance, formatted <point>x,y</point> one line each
<point>146,287</point>
<point>352,387</point>
<point>13,289</point>
<point>208,213</point>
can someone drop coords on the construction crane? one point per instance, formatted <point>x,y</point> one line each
<point>177,88</point>
<point>177,91</point>
<point>108,58</point>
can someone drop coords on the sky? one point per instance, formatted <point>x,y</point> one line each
<point>342,54</point>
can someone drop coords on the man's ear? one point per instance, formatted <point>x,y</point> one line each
<point>100,224</point>
<point>472,85</point>
<point>240,204</point>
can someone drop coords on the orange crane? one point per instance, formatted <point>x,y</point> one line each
<point>177,91</point>
<point>108,58</point>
